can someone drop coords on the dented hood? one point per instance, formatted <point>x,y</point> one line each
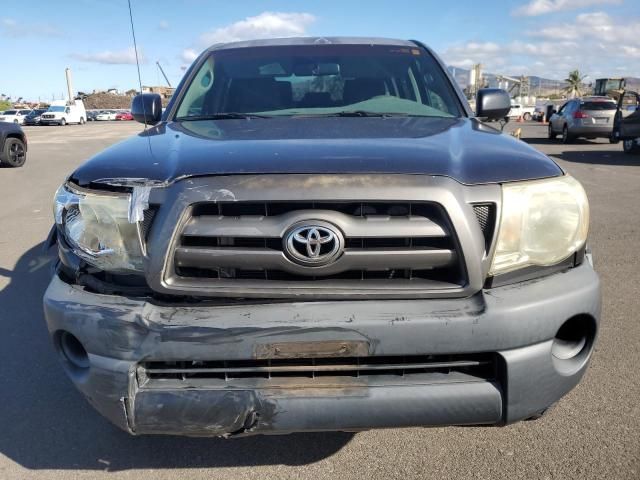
<point>461,148</point>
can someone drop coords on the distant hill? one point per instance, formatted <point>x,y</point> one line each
<point>538,86</point>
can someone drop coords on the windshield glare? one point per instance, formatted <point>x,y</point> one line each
<point>320,80</point>
<point>57,109</point>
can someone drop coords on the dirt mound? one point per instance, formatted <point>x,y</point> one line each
<point>102,101</point>
<point>108,101</point>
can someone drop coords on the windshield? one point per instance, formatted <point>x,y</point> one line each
<point>10,112</point>
<point>57,109</point>
<point>319,80</point>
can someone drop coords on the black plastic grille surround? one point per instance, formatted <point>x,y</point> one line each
<point>481,366</point>
<point>486,215</point>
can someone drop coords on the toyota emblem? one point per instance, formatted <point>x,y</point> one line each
<point>313,244</point>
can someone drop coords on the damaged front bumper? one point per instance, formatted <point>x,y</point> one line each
<point>208,369</point>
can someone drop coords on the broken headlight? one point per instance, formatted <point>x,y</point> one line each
<point>543,222</point>
<point>100,228</point>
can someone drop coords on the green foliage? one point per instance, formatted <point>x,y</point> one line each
<point>574,83</point>
<point>4,105</point>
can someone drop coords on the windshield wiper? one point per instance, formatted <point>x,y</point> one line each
<point>365,113</point>
<point>353,113</point>
<point>222,116</point>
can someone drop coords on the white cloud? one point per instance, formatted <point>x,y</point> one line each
<point>593,42</point>
<point>264,25</point>
<point>11,27</point>
<point>188,55</point>
<point>542,7</point>
<point>163,25</point>
<point>122,57</point>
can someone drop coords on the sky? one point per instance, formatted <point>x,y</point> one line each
<point>39,38</point>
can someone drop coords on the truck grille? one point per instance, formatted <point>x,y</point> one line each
<point>406,242</point>
<point>281,372</point>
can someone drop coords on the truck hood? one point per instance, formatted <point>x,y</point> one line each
<point>461,148</point>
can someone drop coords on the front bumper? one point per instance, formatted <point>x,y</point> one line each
<point>516,323</point>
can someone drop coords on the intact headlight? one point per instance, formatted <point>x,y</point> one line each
<point>543,222</point>
<point>96,225</point>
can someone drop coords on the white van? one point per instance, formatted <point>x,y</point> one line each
<point>62,113</point>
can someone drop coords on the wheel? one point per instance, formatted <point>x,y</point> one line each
<point>613,140</point>
<point>566,137</point>
<point>63,122</point>
<point>550,133</point>
<point>14,152</point>
<point>81,121</point>
<point>630,146</point>
<point>16,122</point>
<point>526,116</point>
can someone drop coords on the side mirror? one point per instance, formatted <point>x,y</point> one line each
<point>492,103</point>
<point>147,108</point>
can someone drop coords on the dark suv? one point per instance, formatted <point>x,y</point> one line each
<point>319,234</point>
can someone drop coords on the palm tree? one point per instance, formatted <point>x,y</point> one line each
<point>574,83</point>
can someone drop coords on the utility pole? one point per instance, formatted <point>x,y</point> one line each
<point>67,72</point>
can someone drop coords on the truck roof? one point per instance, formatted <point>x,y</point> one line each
<point>293,41</point>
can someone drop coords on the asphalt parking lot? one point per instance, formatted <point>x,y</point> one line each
<point>48,430</point>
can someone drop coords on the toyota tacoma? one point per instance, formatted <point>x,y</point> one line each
<point>319,234</point>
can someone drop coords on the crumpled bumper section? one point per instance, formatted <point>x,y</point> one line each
<point>502,355</point>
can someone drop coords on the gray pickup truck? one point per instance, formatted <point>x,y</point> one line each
<point>319,234</point>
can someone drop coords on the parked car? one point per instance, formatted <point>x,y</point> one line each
<point>106,115</point>
<point>92,114</point>
<point>62,113</point>
<point>34,117</point>
<point>588,117</point>
<point>15,116</point>
<point>518,110</point>
<point>13,145</point>
<point>539,113</point>
<point>627,121</point>
<point>357,252</point>
<point>124,116</point>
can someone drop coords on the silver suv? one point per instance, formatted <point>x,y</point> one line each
<point>588,117</point>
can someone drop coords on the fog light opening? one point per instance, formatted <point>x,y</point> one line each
<point>572,344</point>
<point>73,351</point>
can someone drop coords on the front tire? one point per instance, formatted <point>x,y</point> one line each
<point>15,153</point>
<point>81,120</point>
<point>63,122</point>
<point>550,134</point>
<point>527,117</point>
<point>566,136</point>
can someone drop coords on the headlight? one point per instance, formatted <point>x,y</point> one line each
<point>96,225</point>
<point>543,222</point>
